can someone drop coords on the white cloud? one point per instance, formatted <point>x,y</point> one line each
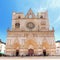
<point>53,3</point>
<point>49,4</point>
<point>57,21</point>
<point>42,9</point>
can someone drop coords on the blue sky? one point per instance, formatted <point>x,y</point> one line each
<point>8,6</point>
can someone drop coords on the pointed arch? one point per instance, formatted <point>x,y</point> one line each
<point>45,45</point>
<point>16,44</point>
<point>30,14</point>
<point>30,43</point>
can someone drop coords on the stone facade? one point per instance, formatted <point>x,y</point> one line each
<point>30,34</point>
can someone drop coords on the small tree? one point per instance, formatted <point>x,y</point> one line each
<point>1,54</point>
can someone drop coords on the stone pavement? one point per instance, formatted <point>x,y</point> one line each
<point>31,58</point>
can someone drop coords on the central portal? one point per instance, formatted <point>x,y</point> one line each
<point>30,52</point>
<point>17,52</point>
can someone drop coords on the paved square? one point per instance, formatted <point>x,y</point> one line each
<point>31,58</point>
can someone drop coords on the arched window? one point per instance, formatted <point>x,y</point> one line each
<point>30,16</point>
<point>17,25</point>
<point>19,17</point>
<point>41,16</point>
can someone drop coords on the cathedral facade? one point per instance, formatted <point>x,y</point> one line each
<point>30,35</point>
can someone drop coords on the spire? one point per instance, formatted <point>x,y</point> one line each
<point>30,14</point>
<point>30,10</point>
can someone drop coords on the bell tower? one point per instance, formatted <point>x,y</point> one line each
<point>16,17</point>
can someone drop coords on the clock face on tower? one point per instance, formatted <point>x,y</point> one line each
<point>30,25</point>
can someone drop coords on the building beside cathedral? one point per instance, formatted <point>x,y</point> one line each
<point>2,47</point>
<point>30,35</point>
<point>58,47</point>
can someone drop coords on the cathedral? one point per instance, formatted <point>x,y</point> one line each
<point>30,35</point>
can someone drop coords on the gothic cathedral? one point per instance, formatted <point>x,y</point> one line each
<point>30,35</point>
